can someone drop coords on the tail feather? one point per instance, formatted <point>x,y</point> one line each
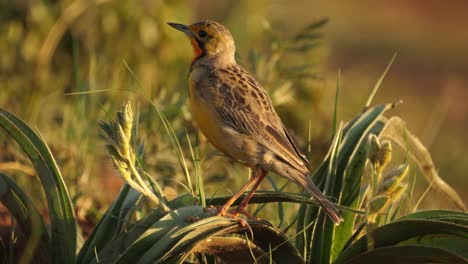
<point>324,202</point>
<point>301,177</point>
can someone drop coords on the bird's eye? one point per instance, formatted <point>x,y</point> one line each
<point>202,33</point>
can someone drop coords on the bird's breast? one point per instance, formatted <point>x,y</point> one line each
<point>203,111</point>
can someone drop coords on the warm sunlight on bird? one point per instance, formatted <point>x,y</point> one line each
<point>236,115</point>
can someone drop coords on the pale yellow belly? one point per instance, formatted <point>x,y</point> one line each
<point>205,116</point>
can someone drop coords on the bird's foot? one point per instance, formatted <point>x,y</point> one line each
<point>241,211</point>
<point>224,211</point>
<point>235,214</point>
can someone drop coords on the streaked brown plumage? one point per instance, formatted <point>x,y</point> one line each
<point>236,115</point>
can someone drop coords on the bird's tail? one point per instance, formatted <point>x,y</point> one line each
<point>300,175</point>
<point>324,202</point>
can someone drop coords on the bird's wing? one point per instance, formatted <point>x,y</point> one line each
<point>296,147</point>
<point>248,110</point>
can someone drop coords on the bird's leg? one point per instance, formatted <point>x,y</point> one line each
<point>228,204</point>
<point>260,175</point>
<point>257,177</point>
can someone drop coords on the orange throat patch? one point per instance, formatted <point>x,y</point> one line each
<point>196,49</point>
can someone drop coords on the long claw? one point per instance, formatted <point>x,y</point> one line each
<point>241,211</point>
<point>222,210</point>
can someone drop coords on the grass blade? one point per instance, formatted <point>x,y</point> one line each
<point>196,163</point>
<point>335,108</point>
<point>379,82</point>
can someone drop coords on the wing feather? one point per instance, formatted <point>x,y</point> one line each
<point>248,110</point>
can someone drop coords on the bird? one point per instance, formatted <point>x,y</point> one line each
<point>236,115</point>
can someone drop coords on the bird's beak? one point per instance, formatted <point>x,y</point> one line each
<point>180,27</point>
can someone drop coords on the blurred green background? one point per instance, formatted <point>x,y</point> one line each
<point>64,65</point>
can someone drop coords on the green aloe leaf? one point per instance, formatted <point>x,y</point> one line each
<point>126,238</point>
<point>109,226</point>
<point>455,217</point>
<point>413,232</point>
<point>351,195</point>
<point>122,241</point>
<point>30,220</point>
<point>355,168</point>
<point>128,207</point>
<point>177,243</point>
<point>324,228</point>
<point>407,254</point>
<point>186,230</point>
<point>62,220</point>
<point>352,139</point>
<point>155,233</point>
<point>270,244</point>
<point>354,135</point>
<point>306,217</point>
<point>274,242</point>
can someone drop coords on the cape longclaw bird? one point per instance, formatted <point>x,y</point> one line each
<point>236,115</point>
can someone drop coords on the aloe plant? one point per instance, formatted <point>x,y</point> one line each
<point>62,234</point>
<point>182,230</point>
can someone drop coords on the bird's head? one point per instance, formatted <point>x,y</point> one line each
<point>209,39</point>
